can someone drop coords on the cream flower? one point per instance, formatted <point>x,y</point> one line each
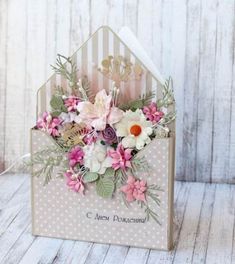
<point>135,129</point>
<point>68,117</point>
<point>96,158</point>
<point>100,113</point>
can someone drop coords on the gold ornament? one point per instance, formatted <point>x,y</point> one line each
<point>138,71</point>
<point>73,134</point>
<point>119,69</point>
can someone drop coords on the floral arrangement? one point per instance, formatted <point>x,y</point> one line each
<point>97,138</point>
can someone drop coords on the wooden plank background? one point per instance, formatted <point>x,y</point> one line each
<point>191,40</point>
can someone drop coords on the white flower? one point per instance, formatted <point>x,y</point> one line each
<point>68,117</point>
<point>135,129</point>
<point>96,158</point>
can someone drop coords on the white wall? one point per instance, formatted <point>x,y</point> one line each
<point>191,40</point>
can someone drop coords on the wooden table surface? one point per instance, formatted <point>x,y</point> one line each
<point>203,231</point>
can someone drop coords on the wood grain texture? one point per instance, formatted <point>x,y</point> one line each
<point>190,91</point>
<point>193,41</point>
<point>3,83</point>
<point>203,230</point>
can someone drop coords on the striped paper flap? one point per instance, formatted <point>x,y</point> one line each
<point>88,58</point>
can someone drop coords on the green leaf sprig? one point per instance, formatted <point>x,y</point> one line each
<point>138,103</point>
<point>68,69</point>
<point>168,95</point>
<point>57,105</point>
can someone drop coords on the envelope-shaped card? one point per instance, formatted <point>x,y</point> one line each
<point>103,149</point>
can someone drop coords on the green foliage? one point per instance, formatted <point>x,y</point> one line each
<point>120,178</point>
<point>90,177</point>
<point>139,164</point>
<point>138,103</point>
<point>152,193</point>
<point>124,200</point>
<point>47,159</point>
<point>105,187</point>
<point>109,173</point>
<point>67,68</point>
<point>57,105</point>
<point>151,214</point>
<point>167,119</point>
<point>154,197</point>
<point>168,96</point>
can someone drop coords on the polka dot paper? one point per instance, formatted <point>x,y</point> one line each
<point>58,212</point>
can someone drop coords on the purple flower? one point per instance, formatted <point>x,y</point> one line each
<point>109,135</point>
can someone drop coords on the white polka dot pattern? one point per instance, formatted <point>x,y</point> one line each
<point>59,212</point>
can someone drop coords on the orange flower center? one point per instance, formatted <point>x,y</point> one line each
<point>135,130</point>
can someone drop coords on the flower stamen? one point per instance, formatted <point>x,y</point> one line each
<point>135,130</point>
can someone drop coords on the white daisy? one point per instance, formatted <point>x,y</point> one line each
<point>135,129</point>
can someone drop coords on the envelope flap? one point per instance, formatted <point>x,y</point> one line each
<point>104,58</point>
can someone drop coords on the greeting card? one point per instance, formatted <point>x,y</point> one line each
<point>103,148</point>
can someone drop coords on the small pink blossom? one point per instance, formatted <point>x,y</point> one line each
<point>71,103</point>
<point>120,157</point>
<point>74,181</point>
<point>75,156</point>
<point>134,189</point>
<point>49,124</point>
<point>90,137</point>
<point>152,113</point>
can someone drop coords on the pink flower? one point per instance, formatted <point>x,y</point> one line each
<point>134,189</point>
<point>101,113</point>
<point>120,157</point>
<point>74,181</point>
<point>71,103</point>
<point>75,156</point>
<point>49,124</point>
<point>90,137</point>
<point>152,113</point>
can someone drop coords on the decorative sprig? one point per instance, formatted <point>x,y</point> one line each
<point>124,200</point>
<point>55,155</point>
<point>168,118</point>
<point>61,68</point>
<point>84,89</point>
<point>154,197</point>
<point>152,192</point>
<point>168,96</point>
<point>139,103</point>
<point>120,177</point>
<point>139,164</point>
<point>151,214</point>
